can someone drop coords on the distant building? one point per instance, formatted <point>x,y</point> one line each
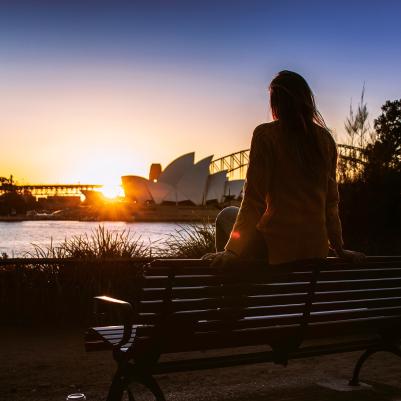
<point>182,181</point>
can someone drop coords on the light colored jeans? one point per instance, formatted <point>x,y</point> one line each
<point>225,221</point>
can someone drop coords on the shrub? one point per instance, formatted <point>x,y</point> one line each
<point>189,241</point>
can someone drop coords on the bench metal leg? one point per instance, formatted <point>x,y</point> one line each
<point>118,387</point>
<point>117,393</point>
<point>362,359</point>
<point>132,374</point>
<point>116,390</point>
<point>151,383</point>
<point>369,352</point>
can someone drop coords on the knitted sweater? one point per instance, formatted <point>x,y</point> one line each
<point>298,216</point>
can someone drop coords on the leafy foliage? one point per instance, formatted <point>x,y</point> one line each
<point>384,155</point>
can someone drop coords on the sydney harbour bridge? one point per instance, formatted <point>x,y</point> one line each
<point>350,161</point>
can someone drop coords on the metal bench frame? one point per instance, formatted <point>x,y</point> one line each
<point>140,367</point>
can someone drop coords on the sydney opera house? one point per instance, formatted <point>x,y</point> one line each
<point>182,182</point>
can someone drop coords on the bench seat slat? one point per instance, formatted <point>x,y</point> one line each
<point>190,304</point>
<point>358,273</point>
<point>198,266</point>
<point>275,299</point>
<point>338,295</point>
<point>344,285</point>
<point>242,310</point>
<point>329,275</point>
<point>355,314</point>
<point>213,291</point>
<point>365,325</point>
<point>211,320</point>
<point>211,303</point>
<point>192,280</point>
<point>370,263</point>
<point>248,288</point>
<point>359,303</point>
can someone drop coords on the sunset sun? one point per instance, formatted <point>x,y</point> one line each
<point>112,191</point>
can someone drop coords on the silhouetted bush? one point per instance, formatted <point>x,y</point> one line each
<point>371,206</point>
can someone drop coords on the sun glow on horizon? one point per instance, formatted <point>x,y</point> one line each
<point>112,191</point>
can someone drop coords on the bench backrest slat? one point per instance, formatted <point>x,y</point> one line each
<point>252,301</point>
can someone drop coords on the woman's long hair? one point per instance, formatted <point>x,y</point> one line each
<point>293,105</point>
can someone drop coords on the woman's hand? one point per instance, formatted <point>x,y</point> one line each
<point>351,256</point>
<point>221,258</point>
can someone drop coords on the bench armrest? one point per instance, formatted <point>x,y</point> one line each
<point>127,312</point>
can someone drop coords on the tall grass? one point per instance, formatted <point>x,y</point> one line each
<point>100,243</point>
<point>186,241</point>
<point>189,241</point>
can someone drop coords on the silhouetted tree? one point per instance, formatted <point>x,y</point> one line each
<point>12,201</point>
<point>384,155</point>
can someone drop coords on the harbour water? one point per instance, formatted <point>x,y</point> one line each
<point>16,238</point>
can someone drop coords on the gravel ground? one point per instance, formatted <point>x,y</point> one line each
<point>46,365</point>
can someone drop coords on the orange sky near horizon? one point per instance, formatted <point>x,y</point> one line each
<point>85,129</point>
<point>91,131</point>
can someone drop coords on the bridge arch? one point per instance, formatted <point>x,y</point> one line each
<point>350,158</point>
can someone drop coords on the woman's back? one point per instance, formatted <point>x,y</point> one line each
<point>294,221</point>
<point>290,188</point>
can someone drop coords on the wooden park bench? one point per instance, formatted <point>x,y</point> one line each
<point>298,310</point>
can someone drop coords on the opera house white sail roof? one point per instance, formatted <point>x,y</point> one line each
<point>183,180</point>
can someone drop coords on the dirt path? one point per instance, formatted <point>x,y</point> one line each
<point>47,365</point>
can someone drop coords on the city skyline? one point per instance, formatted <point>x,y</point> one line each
<point>96,90</point>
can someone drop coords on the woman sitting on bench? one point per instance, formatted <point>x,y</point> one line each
<point>290,200</point>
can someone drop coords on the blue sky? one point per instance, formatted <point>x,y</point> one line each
<point>160,78</point>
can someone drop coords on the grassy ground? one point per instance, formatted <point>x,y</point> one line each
<point>46,365</point>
